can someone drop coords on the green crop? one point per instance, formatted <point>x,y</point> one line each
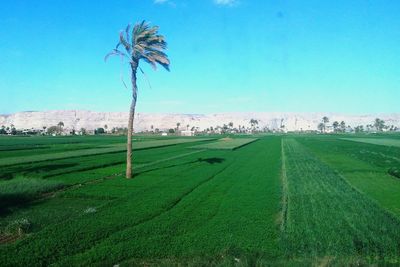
<point>19,190</point>
<point>95,151</point>
<point>375,141</point>
<point>364,166</point>
<point>326,217</point>
<point>282,200</point>
<point>226,143</point>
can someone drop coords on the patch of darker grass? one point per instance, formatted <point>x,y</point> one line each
<point>395,172</point>
<point>21,190</point>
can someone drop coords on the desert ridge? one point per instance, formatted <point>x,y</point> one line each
<point>90,120</point>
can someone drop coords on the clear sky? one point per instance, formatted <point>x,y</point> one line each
<point>244,55</point>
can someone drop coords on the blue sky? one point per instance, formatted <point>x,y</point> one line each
<point>244,55</point>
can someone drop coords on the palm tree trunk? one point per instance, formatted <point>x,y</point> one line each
<point>130,123</point>
<point>129,140</point>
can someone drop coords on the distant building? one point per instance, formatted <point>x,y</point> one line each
<point>187,133</point>
<point>329,129</point>
<point>164,134</point>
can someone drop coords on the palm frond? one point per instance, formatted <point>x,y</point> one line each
<point>150,61</point>
<point>127,34</point>
<point>142,41</point>
<point>154,60</point>
<point>124,42</point>
<point>115,52</point>
<point>137,29</point>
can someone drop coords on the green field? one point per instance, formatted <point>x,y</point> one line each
<point>107,149</point>
<point>255,201</point>
<point>376,141</point>
<point>226,143</point>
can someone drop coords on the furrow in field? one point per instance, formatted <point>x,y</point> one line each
<point>178,199</point>
<point>227,143</point>
<point>285,196</point>
<point>327,217</point>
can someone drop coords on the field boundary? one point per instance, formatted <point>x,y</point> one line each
<point>226,144</point>
<point>389,142</point>
<point>285,195</point>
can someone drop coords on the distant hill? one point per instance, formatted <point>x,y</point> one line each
<point>90,120</point>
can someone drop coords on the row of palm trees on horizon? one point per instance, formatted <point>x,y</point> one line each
<point>378,125</point>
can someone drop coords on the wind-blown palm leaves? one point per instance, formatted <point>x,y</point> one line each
<point>142,43</point>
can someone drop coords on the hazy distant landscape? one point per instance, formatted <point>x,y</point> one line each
<point>268,121</point>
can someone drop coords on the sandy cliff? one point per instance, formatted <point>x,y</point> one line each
<point>76,119</point>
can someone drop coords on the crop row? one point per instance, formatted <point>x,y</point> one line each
<point>95,151</point>
<point>365,166</point>
<point>375,141</point>
<point>326,217</point>
<point>226,143</point>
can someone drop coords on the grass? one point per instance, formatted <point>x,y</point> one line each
<point>395,172</point>
<point>326,217</point>
<point>95,151</point>
<point>226,143</point>
<point>20,190</point>
<point>297,200</point>
<point>365,166</point>
<point>375,141</point>
<point>136,215</point>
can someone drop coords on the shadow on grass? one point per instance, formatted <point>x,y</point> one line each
<point>50,167</point>
<point>9,201</point>
<point>9,173</point>
<point>20,191</point>
<point>211,161</point>
<point>25,147</point>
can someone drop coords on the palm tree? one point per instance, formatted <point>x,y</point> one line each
<point>253,123</point>
<point>379,124</point>
<point>142,43</point>
<point>177,126</point>
<point>342,126</point>
<point>335,125</point>
<point>60,126</point>
<point>325,120</point>
<point>321,127</point>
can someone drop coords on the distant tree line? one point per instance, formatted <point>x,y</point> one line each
<point>378,125</point>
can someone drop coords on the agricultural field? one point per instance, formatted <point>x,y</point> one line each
<point>226,143</point>
<point>244,201</point>
<point>376,141</point>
